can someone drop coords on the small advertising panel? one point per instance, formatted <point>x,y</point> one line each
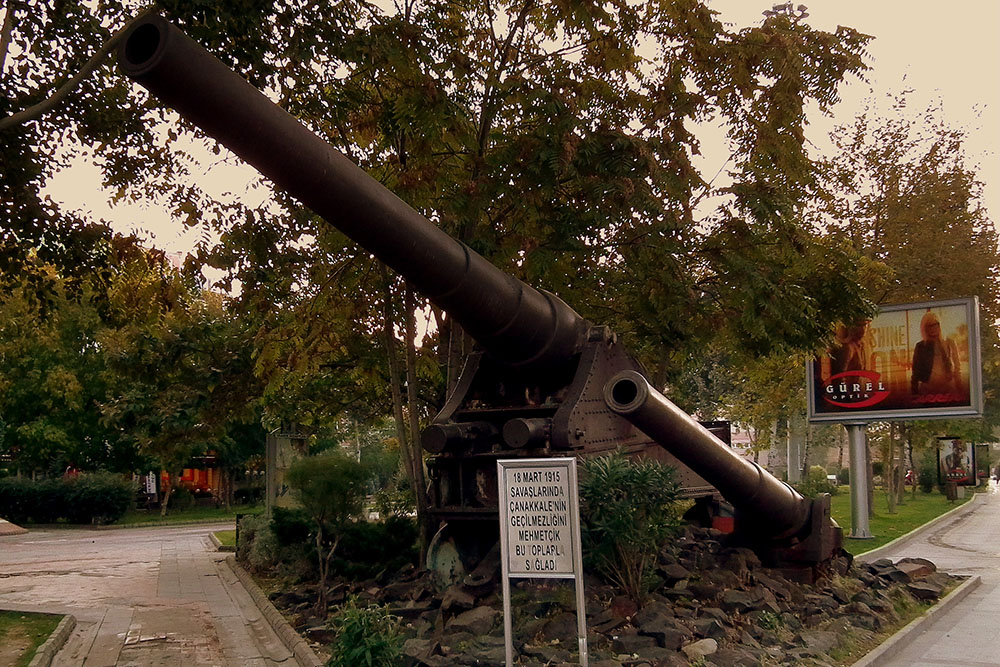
<point>913,361</point>
<point>956,462</point>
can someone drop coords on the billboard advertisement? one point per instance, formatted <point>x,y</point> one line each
<point>913,361</point>
<point>956,462</point>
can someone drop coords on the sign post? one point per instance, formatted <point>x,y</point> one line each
<point>540,532</point>
<point>857,438</point>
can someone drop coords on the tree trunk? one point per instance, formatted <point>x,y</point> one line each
<point>889,466</point>
<point>416,456</point>
<point>407,451</point>
<point>871,476</point>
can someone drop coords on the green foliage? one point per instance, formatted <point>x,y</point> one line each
<point>257,548</point>
<point>816,483</point>
<point>365,637</point>
<point>101,497</point>
<point>331,490</point>
<point>844,476</point>
<point>628,511</point>
<point>181,499</point>
<point>395,499</point>
<point>290,526</point>
<point>371,547</point>
<point>86,498</point>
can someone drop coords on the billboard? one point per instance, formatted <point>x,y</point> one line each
<point>913,361</point>
<point>956,462</point>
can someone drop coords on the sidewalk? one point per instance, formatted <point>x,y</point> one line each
<point>964,543</point>
<point>159,596</point>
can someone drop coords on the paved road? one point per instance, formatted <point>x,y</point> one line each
<point>141,597</point>
<point>967,542</point>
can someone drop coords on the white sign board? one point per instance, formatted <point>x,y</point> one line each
<point>540,531</point>
<point>538,504</point>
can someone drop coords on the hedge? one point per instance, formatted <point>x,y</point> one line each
<point>85,498</point>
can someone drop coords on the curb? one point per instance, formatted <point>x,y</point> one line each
<point>8,528</point>
<point>887,650</point>
<point>292,640</point>
<point>969,506</point>
<point>45,653</point>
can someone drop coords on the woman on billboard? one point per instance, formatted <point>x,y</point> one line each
<point>935,367</point>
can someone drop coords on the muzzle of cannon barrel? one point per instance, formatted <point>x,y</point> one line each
<point>515,323</point>
<point>772,508</point>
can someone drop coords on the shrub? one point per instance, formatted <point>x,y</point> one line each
<point>844,476</point>
<point>181,499</point>
<point>365,636</point>
<point>816,483</point>
<point>257,547</point>
<point>369,548</point>
<point>86,498</point>
<point>290,526</point>
<point>98,497</point>
<point>331,490</point>
<point>926,478</point>
<point>395,499</point>
<point>628,511</point>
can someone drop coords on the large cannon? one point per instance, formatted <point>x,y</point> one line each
<point>545,383</point>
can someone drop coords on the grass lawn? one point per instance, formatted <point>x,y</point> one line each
<point>913,512</point>
<point>139,517</point>
<point>22,633</point>
<point>227,538</point>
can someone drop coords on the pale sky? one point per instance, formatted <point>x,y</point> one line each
<point>950,53</point>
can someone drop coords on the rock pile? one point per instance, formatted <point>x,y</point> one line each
<point>712,605</point>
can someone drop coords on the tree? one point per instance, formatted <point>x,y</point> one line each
<point>902,191</point>
<point>541,134</point>
<point>51,384</point>
<point>331,490</point>
<point>181,367</point>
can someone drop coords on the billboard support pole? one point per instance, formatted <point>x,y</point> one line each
<point>857,438</point>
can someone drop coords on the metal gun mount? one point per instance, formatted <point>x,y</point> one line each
<point>546,383</point>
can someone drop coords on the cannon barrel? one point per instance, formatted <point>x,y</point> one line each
<point>515,323</point>
<point>773,508</point>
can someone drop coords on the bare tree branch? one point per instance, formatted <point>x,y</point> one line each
<point>37,110</point>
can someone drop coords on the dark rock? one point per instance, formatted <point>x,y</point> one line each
<point>736,601</point>
<point>632,643</point>
<point>653,610</point>
<point>818,640</point>
<point>562,626</point>
<point>917,568</point>
<point>623,606</point>
<point>420,650</point>
<point>700,649</point>
<point>704,591</point>
<point>716,613</point>
<point>547,654</point>
<point>666,637</point>
<point>478,621</point>
<point>776,585</point>
<point>708,627</point>
<point>925,590</point>
<point>606,622</point>
<point>319,634</point>
<point>822,601</point>
<point>734,657</point>
<point>674,572</point>
<point>457,599</point>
